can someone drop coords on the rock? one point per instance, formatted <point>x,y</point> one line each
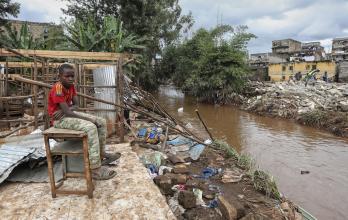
<point>209,196</point>
<point>285,206</point>
<point>175,159</point>
<point>200,184</point>
<point>227,210</point>
<point>177,178</point>
<point>181,169</point>
<point>343,106</point>
<point>164,183</point>
<point>255,216</point>
<point>201,213</point>
<point>298,216</point>
<point>187,199</point>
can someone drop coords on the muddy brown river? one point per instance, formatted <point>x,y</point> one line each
<point>283,148</point>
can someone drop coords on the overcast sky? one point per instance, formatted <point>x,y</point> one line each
<point>304,20</point>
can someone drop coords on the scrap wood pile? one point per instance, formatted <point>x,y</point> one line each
<point>192,173</point>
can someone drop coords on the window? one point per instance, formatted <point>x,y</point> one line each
<point>291,68</point>
<point>284,68</point>
<point>283,77</point>
<point>314,67</point>
<point>307,67</point>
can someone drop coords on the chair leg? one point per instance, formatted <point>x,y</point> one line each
<point>88,175</point>
<point>64,166</point>
<point>50,167</point>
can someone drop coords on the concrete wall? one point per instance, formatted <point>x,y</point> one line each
<point>36,28</point>
<point>286,46</point>
<point>343,71</point>
<point>282,71</point>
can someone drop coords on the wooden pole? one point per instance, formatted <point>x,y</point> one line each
<point>206,128</point>
<point>46,116</point>
<point>17,129</point>
<point>9,98</point>
<point>6,94</point>
<point>84,88</point>
<point>165,140</point>
<point>129,106</point>
<point>35,96</point>
<point>120,95</point>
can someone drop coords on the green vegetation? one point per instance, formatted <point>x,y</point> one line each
<point>159,22</point>
<point>230,152</point>
<point>210,65</point>
<point>265,183</point>
<point>315,118</point>
<point>22,39</point>
<point>262,181</point>
<point>8,8</point>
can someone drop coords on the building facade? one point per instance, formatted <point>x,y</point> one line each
<point>283,71</point>
<point>37,29</point>
<point>340,49</point>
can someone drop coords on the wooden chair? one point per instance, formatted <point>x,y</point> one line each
<point>64,149</point>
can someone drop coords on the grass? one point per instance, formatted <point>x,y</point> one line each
<point>262,181</point>
<point>315,118</point>
<point>229,151</point>
<point>265,183</point>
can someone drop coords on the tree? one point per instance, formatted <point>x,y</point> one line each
<point>97,9</point>
<point>7,8</point>
<point>211,65</point>
<point>110,36</point>
<point>157,22</point>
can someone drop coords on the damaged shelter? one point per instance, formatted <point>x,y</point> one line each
<point>167,170</point>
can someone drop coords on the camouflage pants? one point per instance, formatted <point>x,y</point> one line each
<point>96,136</point>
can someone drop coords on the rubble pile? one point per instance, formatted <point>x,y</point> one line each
<point>294,100</point>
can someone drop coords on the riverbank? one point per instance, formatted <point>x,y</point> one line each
<point>322,105</point>
<point>218,184</point>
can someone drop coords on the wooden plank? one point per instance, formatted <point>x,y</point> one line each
<point>64,54</point>
<point>58,131</point>
<point>88,66</point>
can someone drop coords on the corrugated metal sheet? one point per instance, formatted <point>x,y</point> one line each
<point>10,157</point>
<point>105,76</point>
<point>19,149</point>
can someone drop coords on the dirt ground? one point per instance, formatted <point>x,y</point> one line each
<point>129,195</point>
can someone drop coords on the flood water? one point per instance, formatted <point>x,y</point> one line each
<point>283,148</point>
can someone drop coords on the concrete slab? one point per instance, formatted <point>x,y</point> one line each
<point>130,195</point>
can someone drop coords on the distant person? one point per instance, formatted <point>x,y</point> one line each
<point>298,76</point>
<point>62,103</point>
<point>325,77</point>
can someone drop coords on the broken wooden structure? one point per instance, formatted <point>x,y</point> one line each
<point>22,69</point>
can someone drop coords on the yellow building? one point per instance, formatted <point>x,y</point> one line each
<point>282,71</point>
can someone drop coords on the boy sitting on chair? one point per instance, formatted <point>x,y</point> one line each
<point>62,102</point>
